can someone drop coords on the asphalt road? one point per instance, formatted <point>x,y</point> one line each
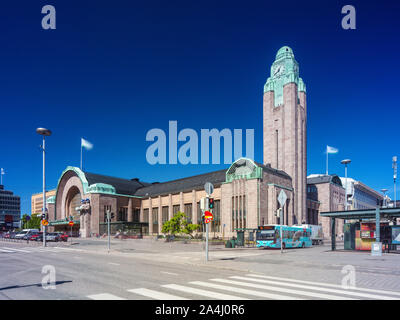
<point>145,270</point>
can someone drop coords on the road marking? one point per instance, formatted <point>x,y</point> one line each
<point>244,291</point>
<point>171,273</point>
<point>284,290</point>
<point>63,248</point>
<point>206,293</point>
<point>104,296</point>
<point>114,264</point>
<point>343,291</point>
<point>19,250</point>
<point>3,250</point>
<point>325,284</point>
<point>156,294</point>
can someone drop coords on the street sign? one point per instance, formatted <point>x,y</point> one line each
<point>45,222</point>
<point>282,198</point>
<point>209,188</point>
<point>71,223</point>
<point>208,217</point>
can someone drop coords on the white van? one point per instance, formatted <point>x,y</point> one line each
<point>25,232</point>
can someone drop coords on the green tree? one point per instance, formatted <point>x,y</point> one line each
<point>32,223</point>
<point>179,224</point>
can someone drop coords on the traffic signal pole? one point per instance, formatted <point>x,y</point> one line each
<point>108,228</point>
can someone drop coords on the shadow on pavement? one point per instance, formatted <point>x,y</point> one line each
<point>33,285</point>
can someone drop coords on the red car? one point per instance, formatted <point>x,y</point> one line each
<point>62,236</point>
<point>35,236</point>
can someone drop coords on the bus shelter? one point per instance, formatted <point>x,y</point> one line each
<point>245,236</point>
<point>377,215</point>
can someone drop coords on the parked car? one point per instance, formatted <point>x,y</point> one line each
<point>62,236</point>
<point>52,236</point>
<point>26,233</point>
<point>34,236</point>
<point>9,235</point>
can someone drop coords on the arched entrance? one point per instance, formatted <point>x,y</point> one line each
<point>73,201</point>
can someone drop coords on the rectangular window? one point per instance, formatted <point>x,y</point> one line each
<point>216,223</point>
<point>233,213</point>
<point>176,209</point>
<point>155,220</point>
<point>122,214</point>
<point>199,218</point>
<point>188,212</point>
<point>146,215</point>
<point>136,215</point>
<point>164,214</point>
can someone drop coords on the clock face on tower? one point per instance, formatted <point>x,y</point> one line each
<point>278,70</point>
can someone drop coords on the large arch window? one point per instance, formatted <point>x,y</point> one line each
<point>73,202</point>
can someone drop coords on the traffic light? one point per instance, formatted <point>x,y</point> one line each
<point>211,203</point>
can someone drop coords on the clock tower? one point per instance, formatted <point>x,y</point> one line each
<point>285,127</point>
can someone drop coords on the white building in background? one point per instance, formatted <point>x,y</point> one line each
<point>360,196</point>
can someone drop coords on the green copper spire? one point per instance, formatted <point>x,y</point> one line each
<point>284,70</point>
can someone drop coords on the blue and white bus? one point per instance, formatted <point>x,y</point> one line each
<point>292,237</point>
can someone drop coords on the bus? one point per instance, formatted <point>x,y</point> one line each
<point>292,237</point>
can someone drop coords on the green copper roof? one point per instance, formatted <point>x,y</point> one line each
<point>51,199</point>
<point>101,188</point>
<point>243,168</point>
<point>284,52</point>
<point>284,70</point>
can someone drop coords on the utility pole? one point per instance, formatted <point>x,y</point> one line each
<point>108,228</point>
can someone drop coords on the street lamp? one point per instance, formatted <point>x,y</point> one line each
<point>384,196</point>
<point>345,162</point>
<point>44,132</point>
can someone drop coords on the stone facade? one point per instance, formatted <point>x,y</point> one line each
<point>330,195</point>
<point>245,194</point>
<point>285,127</point>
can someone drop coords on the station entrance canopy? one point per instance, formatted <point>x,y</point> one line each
<point>377,214</point>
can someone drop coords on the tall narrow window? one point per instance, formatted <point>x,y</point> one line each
<point>199,218</point>
<point>146,215</point>
<point>188,212</point>
<point>175,209</point>
<point>155,220</point>
<point>244,211</point>
<point>164,214</point>
<point>233,213</point>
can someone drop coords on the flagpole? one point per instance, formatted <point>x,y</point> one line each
<point>327,160</point>
<point>81,154</point>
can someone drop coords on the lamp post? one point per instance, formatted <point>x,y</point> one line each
<point>44,132</point>
<point>345,162</point>
<point>384,196</point>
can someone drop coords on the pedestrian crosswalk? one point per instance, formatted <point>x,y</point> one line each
<point>27,250</point>
<point>251,286</point>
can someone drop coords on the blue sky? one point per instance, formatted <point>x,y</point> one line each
<point>112,71</point>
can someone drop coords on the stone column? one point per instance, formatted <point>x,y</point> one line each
<point>81,225</point>
<point>194,207</point>
<point>170,209</point>
<point>130,210</point>
<point>181,204</point>
<point>150,217</point>
<point>141,218</point>
<point>87,225</point>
